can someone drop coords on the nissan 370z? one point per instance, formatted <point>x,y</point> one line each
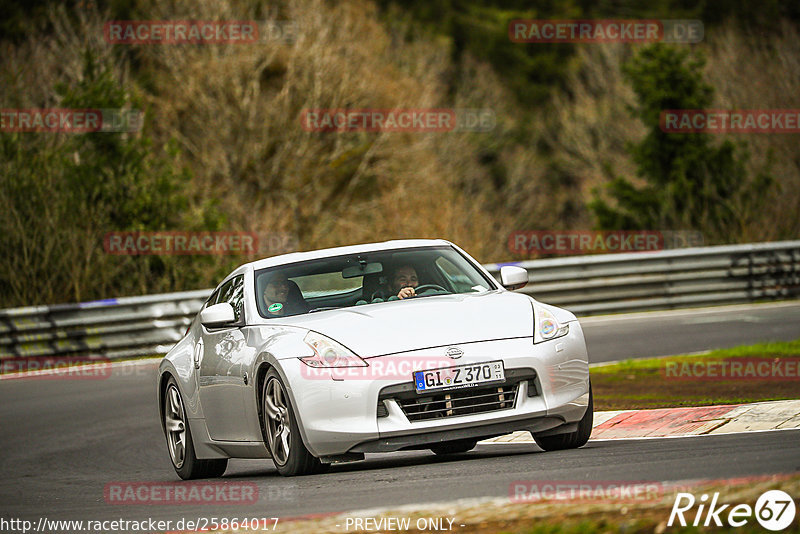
<point>314,358</point>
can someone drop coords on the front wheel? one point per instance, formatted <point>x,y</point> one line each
<point>571,440</point>
<point>289,454</point>
<point>179,440</point>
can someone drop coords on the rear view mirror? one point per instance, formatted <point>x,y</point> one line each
<point>513,277</point>
<point>217,315</point>
<point>362,269</point>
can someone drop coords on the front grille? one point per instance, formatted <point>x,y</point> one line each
<point>458,402</point>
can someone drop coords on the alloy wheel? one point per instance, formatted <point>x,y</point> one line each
<point>278,425</point>
<point>175,424</point>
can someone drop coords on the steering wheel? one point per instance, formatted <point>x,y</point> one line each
<point>426,287</point>
<point>382,294</point>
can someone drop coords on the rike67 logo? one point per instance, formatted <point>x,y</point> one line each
<point>774,510</point>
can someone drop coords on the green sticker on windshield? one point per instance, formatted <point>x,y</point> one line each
<point>276,307</point>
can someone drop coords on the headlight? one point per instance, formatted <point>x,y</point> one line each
<point>546,326</point>
<point>328,353</point>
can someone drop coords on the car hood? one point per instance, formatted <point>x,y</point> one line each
<point>400,326</point>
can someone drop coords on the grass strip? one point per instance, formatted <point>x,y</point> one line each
<point>761,372</point>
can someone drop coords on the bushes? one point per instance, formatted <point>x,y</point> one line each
<point>62,192</point>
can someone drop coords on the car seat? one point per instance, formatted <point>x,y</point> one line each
<point>377,284</point>
<point>295,303</point>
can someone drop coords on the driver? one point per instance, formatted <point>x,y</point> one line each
<point>404,280</point>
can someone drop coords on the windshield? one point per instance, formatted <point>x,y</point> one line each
<point>366,278</point>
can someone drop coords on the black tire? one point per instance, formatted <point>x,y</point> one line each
<point>294,460</point>
<point>215,468</point>
<point>571,440</point>
<point>179,434</point>
<point>454,447</point>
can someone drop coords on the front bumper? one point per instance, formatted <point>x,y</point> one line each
<point>338,411</point>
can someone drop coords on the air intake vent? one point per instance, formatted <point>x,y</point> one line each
<point>383,411</point>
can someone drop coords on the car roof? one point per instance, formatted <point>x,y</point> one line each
<point>295,257</point>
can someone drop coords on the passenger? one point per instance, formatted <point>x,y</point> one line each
<point>276,293</point>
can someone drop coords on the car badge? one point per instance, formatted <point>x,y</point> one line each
<point>454,352</point>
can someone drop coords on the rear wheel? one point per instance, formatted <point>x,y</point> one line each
<point>285,444</point>
<point>571,440</point>
<point>454,447</point>
<point>179,440</point>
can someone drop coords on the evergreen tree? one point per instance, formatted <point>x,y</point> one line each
<point>690,183</point>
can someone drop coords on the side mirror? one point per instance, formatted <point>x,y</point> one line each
<point>512,277</point>
<point>217,315</point>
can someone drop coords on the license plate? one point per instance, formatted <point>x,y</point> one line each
<point>461,376</point>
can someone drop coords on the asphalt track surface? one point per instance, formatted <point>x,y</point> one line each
<point>619,337</point>
<point>63,441</point>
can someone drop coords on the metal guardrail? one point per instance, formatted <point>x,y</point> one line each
<point>110,328</point>
<point>586,285</point>
<point>612,283</point>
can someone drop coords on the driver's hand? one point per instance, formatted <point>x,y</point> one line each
<point>407,292</point>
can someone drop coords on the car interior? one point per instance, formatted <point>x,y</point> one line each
<point>375,285</point>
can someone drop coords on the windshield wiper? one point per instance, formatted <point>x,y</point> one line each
<point>426,294</point>
<point>323,308</point>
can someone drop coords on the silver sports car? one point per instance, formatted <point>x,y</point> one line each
<point>313,358</point>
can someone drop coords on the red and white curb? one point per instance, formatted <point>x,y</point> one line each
<point>674,422</point>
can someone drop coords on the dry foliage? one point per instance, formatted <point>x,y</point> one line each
<point>234,111</point>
